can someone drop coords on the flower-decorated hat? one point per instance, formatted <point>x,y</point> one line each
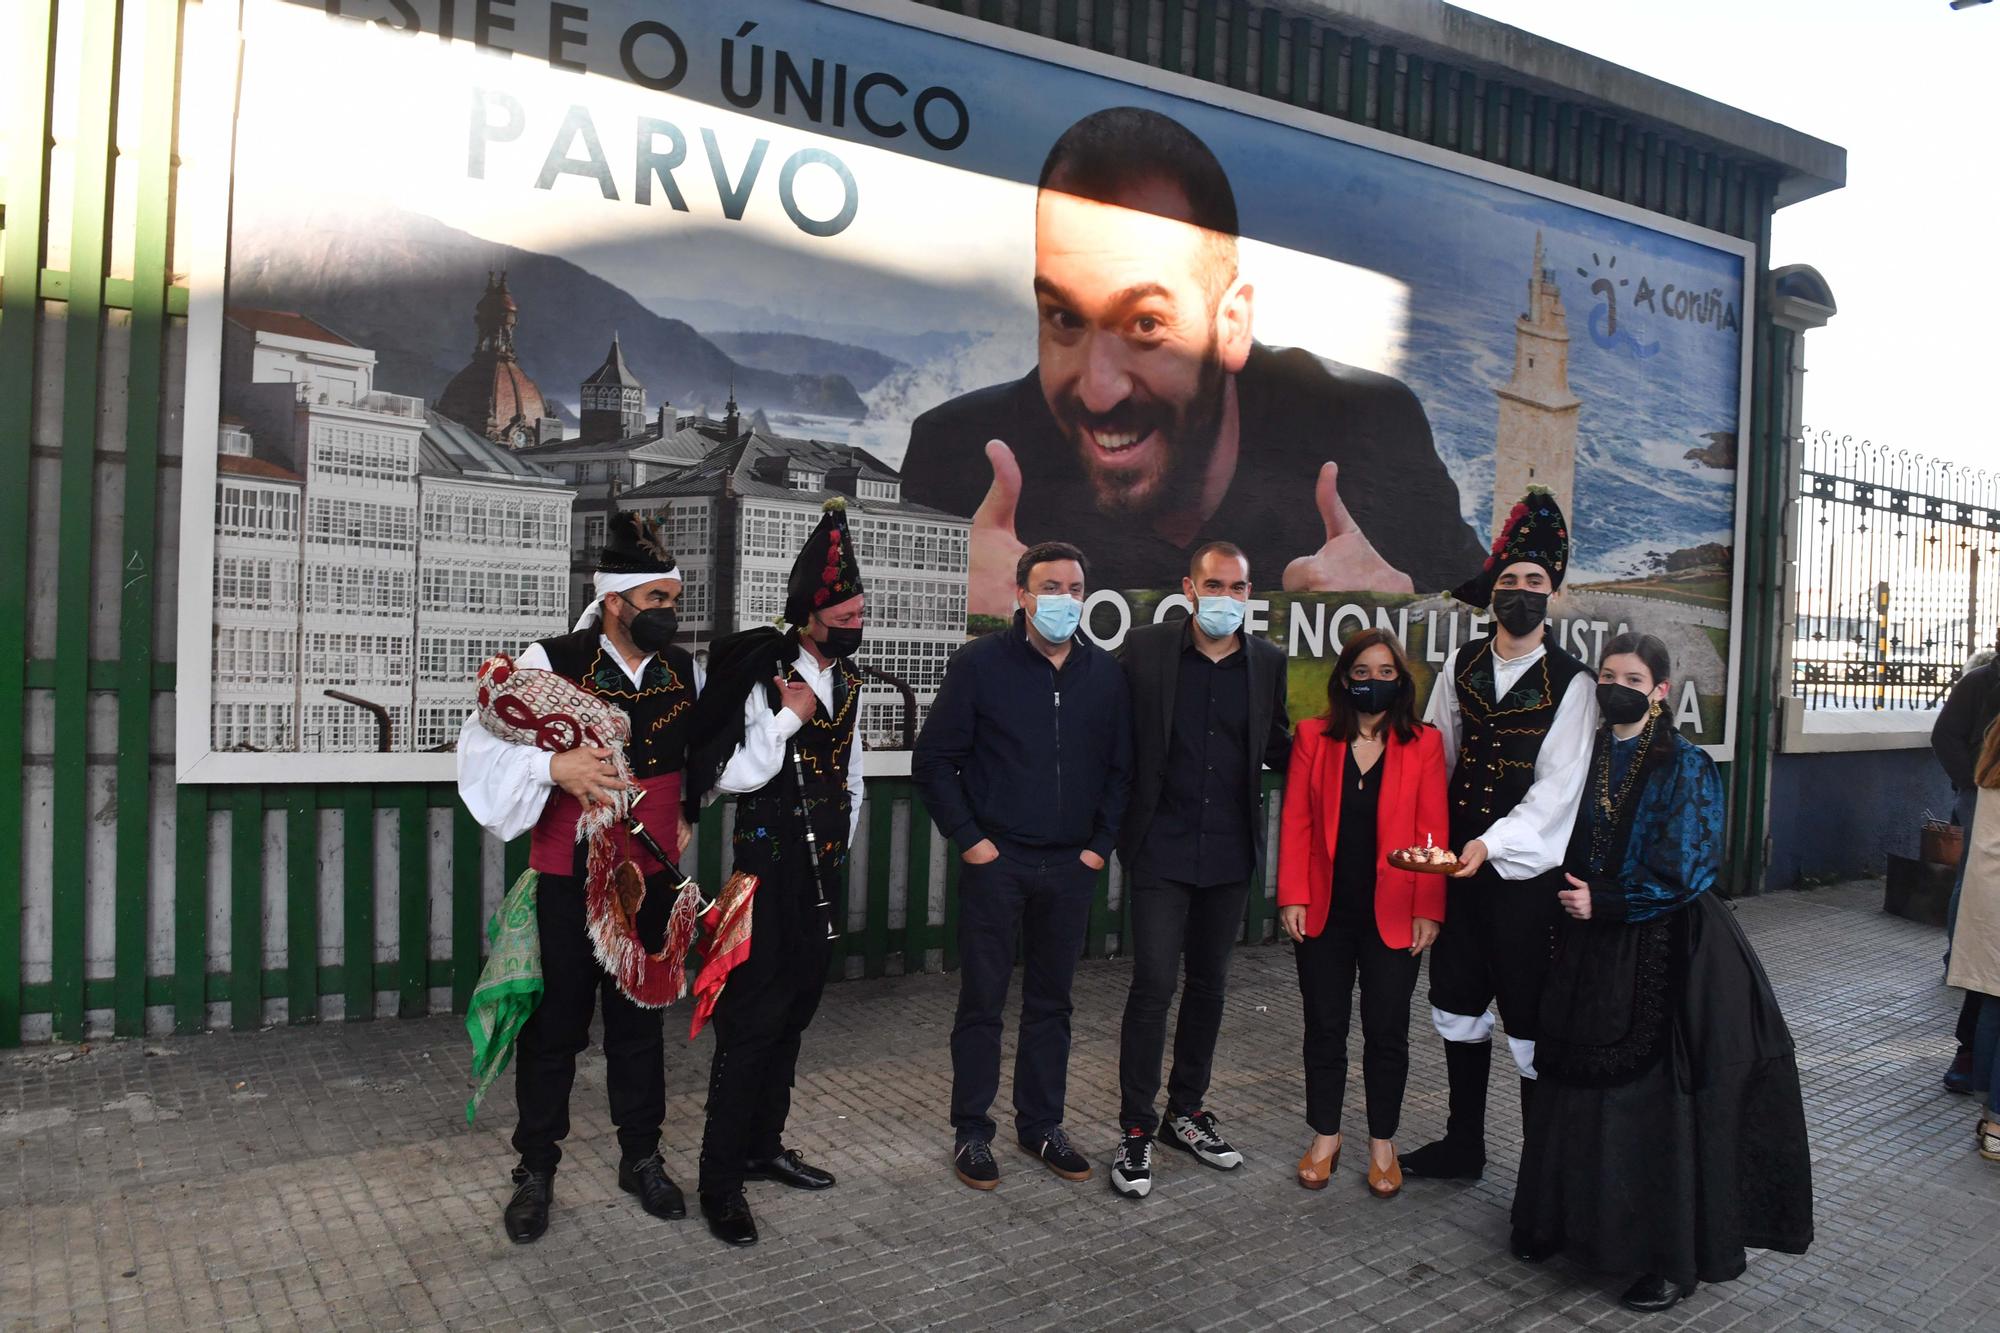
<point>1535,532</point>
<point>828,571</point>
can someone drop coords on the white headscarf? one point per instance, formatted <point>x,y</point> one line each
<point>607,585</point>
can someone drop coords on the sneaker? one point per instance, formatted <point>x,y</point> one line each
<point>973,1161</point>
<point>1058,1154</point>
<point>1196,1134</point>
<point>1132,1165</point>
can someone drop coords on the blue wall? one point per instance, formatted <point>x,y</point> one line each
<point>1837,816</point>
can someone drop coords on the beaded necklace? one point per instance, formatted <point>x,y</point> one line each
<point>1609,803</point>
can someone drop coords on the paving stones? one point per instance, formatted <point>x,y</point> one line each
<point>324,1177</point>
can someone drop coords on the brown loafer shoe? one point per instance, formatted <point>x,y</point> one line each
<point>1314,1172</point>
<point>1385,1184</point>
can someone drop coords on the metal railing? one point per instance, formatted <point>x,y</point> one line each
<point>1898,573</point>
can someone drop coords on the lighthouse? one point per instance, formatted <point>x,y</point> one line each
<point>1536,443</point>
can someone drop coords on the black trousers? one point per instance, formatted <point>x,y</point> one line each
<point>1174,923</point>
<point>1497,948</point>
<point>1047,903</point>
<point>1328,965</point>
<point>557,1032</point>
<point>767,1003</point>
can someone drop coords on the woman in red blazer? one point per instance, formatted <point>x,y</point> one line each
<point>1366,779</point>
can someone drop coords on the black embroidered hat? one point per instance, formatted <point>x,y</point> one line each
<point>827,571</point>
<point>1535,532</point>
<point>635,546</point>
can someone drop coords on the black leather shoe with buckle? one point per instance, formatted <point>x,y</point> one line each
<point>729,1218</point>
<point>647,1177</point>
<point>789,1168</point>
<point>1653,1293</point>
<point>527,1214</point>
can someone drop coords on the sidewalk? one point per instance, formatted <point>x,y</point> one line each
<point>324,1178</point>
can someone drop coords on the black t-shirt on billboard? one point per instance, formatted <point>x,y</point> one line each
<point>1297,413</point>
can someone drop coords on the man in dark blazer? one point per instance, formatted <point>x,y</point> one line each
<point>1208,713</point>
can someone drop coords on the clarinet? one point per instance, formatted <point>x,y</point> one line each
<point>812,845</point>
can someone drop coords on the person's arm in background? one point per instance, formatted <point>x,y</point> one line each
<point>944,747</point>
<point>1952,738</point>
<point>1278,743</point>
<point>1443,710</point>
<point>1117,791</point>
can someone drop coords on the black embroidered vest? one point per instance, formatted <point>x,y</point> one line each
<point>824,746</point>
<point>659,708</point>
<point>1498,741</point>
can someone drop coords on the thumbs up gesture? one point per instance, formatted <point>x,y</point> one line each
<point>1348,562</point>
<point>995,548</point>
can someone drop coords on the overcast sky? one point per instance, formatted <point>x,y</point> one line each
<point>1905,86</point>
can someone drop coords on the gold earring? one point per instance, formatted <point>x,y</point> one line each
<point>1653,708</point>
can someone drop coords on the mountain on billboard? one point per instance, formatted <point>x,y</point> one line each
<point>405,285</point>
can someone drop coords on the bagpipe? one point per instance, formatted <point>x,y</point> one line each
<point>527,706</point>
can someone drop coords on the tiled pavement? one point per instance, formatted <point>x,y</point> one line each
<point>325,1178</point>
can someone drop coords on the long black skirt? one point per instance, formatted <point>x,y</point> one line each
<point>1703,1154</point>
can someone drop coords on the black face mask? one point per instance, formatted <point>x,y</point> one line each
<point>1518,610</point>
<point>652,630</point>
<point>1373,696</point>
<point>840,640</point>
<point>1621,704</point>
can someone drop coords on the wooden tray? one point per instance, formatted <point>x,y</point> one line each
<point>1425,867</point>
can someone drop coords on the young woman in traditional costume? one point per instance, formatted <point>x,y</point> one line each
<point>1666,1134</point>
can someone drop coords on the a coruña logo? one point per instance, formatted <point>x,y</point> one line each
<point>1710,308</point>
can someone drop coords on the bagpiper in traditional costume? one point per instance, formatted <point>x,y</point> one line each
<point>1517,714</point>
<point>776,725</point>
<point>590,944</point>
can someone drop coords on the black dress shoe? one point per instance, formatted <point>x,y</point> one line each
<point>647,1177</point>
<point>527,1214</point>
<point>1447,1159</point>
<point>1653,1293</point>
<point>729,1218</point>
<point>789,1168</point>
<point>1523,1246</point>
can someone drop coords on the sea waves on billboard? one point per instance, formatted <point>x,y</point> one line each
<point>906,394</point>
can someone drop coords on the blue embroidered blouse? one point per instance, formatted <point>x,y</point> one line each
<point>1674,854</point>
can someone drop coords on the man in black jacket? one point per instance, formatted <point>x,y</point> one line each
<point>1960,728</point>
<point>1153,415</point>
<point>1025,763</point>
<point>1208,713</point>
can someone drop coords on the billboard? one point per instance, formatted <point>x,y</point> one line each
<point>498,272</point>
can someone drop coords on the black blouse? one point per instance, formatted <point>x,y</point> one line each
<point>1354,842</point>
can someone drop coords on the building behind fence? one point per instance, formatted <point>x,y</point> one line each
<point>1898,573</point>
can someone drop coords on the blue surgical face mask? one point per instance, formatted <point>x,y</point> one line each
<point>1056,616</point>
<point>1219,617</point>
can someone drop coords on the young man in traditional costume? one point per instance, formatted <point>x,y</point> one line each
<point>1517,715</point>
<point>620,653</point>
<point>777,726</point>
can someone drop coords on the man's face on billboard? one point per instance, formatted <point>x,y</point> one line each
<point>1141,321</point>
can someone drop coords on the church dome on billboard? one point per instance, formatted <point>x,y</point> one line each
<point>493,394</point>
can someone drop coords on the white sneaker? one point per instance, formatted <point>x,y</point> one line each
<point>1196,1134</point>
<point>1132,1165</point>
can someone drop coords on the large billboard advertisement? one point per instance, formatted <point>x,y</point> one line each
<point>497,272</point>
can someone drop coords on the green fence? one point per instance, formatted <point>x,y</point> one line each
<point>116,869</point>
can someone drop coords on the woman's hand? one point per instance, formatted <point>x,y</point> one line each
<point>1576,898</point>
<point>686,836</point>
<point>1292,920</point>
<point>1423,933</point>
